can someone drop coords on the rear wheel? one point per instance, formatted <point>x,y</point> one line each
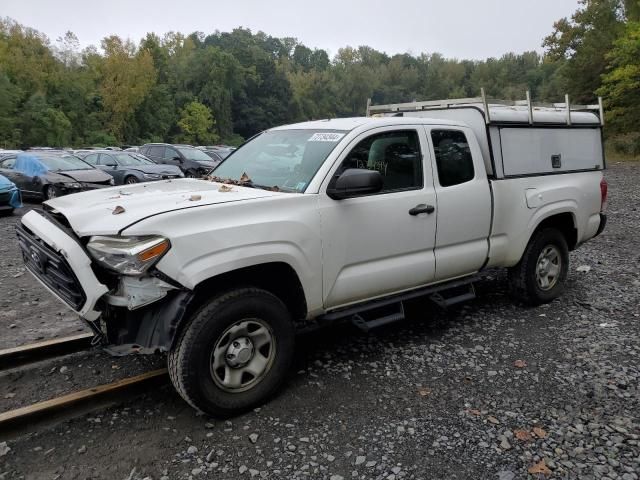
<point>234,353</point>
<point>541,274</point>
<point>130,180</point>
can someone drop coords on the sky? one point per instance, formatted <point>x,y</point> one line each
<point>463,29</point>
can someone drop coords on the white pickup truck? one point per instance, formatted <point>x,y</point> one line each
<point>307,224</point>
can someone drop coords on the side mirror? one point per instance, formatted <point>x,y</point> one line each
<point>177,159</point>
<point>354,182</point>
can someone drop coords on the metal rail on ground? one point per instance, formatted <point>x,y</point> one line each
<point>29,415</point>
<point>16,356</point>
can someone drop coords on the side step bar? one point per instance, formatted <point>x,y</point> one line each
<point>366,325</point>
<point>444,301</point>
<point>388,310</point>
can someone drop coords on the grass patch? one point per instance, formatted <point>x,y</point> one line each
<point>613,156</point>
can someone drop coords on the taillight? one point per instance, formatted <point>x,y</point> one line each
<point>604,190</point>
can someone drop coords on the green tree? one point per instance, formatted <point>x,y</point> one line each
<point>196,124</point>
<point>127,78</point>
<point>621,84</point>
<point>582,44</point>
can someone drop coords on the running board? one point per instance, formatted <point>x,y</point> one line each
<point>367,324</point>
<point>383,311</point>
<point>444,301</point>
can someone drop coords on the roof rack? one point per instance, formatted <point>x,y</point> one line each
<point>566,106</point>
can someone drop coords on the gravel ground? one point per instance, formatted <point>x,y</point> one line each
<point>490,390</point>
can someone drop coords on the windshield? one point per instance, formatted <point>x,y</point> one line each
<point>194,154</point>
<point>129,160</point>
<point>286,159</point>
<point>63,163</point>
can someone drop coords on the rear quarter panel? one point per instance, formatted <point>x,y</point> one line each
<point>521,204</point>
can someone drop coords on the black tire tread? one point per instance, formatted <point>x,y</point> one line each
<point>519,286</point>
<point>177,358</point>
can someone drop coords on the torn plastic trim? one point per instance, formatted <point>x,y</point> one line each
<point>137,292</point>
<point>149,329</point>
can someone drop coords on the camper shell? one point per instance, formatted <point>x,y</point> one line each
<point>519,138</point>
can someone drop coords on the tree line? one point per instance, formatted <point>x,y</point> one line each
<point>227,86</point>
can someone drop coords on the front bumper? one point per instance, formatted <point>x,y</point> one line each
<point>60,264</point>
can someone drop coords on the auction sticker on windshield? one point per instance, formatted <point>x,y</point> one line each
<point>326,137</point>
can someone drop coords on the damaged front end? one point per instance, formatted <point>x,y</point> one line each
<point>147,329</point>
<point>110,281</point>
<point>143,307</point>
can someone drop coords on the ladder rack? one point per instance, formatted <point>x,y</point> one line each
<point>566,106</point>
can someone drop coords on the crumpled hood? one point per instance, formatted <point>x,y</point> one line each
<point>84,176</point>
<point>91,213</point>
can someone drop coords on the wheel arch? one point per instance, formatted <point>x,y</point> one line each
<point>565,222</point>
<point>278,278</point>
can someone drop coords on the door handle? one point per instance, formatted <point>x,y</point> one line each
<point>422,208</point>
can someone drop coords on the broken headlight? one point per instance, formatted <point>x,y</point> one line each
<point>128,255</point>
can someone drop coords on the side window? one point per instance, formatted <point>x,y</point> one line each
<point>396,155</point>
<point>8,163</point>
<point>170,153</point>
<point>107,160</point>
<point>92,159</point>
<point>156,150</point>
<point>453,157</point>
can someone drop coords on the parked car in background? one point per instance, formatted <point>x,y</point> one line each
<point>5,153</point>
<point>130,167</point>
<point>10,198</point>
<point>222,151</point>
<point>49,174</point>
<point>132,149</point>
<point>217,157</point>
<point>193,162</point>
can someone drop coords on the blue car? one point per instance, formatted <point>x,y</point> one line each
<point>10,198</point>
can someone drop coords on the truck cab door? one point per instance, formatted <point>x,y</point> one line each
<point>378,244</point>
<point>464,202</point>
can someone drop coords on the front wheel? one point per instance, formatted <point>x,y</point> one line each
<point>130,180</point>
<point>50,192</point>
<point>234,353</point>
<point>541,274</point>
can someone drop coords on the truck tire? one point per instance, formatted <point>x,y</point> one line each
<point>541,274</point>
<point>234,353</point>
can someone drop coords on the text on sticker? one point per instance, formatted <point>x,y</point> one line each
<point>326,137</point>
